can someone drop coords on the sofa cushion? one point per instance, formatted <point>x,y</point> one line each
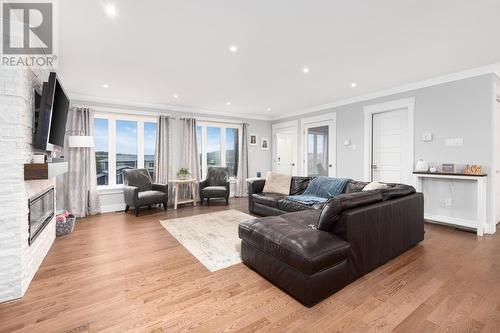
<point>299,184</point>
<point>374,186</point>
<point>151,197</point>
<point>396,190</point>
<point>290,240</point>
<point>277,183</point>
<point>288,205</point>
<point>330,214</point>
<point>214,190</point>
<point>267,199</point>
<point>354,186</point>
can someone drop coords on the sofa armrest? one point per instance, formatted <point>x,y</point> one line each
<point>203,184</point>
<point>160,187</point>
<point>130,194</point>
<point>256,186</point>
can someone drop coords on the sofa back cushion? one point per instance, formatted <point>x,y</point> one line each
<point>299,184</point>
<point>139,178</point>
<point>354,186</point>
<point>335,206</point>
<point>277,183</point>
<point>217,176</point>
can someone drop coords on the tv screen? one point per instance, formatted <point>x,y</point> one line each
<point>52,115</point>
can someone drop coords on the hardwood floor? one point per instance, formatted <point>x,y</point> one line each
<point>119,273</point>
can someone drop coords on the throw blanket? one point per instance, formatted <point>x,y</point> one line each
<point>320,190</point>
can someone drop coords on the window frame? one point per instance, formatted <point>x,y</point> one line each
<point>223,126</point>
<point>112,117</point>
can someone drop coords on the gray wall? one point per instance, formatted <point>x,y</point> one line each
<point>460,109</point>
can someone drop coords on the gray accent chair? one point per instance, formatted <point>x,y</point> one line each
<point>216,185</point>
<point>139,190</point>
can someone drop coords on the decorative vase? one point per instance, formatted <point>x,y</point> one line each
<point>422,166</point>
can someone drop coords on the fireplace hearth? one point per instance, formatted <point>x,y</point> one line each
<point>41,212</point>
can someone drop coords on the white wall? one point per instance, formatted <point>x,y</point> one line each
<point>460,109</point>
<point>258,160</point>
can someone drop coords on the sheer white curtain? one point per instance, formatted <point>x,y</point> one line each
<point>80,182</point>
<point>189,152</point>
<point>242,173</point>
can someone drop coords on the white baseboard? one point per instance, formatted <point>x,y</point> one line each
<point>490,229</point>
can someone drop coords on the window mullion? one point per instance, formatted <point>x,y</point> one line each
<point>140,144</point>
<point>204,150</point>
<point>223,146</point>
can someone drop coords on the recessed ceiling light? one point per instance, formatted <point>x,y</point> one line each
<point>305,70</point>
<point>105,85</point>
<point>175,96</point>
<point>228,103</point>
<point>354,84</point>
<point>110,10</point>
<point>268,109</point>
<point>233,48</point>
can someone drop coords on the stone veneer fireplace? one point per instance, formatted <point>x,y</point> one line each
<point>41,211</point>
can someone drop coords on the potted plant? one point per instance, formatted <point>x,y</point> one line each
<point>183,173</point>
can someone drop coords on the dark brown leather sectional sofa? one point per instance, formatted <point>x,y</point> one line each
<point>317,250</point>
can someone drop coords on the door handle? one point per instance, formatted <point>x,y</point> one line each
<point>330,165</point>
<point>374,166</point>
<point>293,164</point>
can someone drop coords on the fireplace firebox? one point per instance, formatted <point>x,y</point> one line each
<point>41,212</point>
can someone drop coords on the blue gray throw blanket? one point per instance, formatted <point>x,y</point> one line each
<point>320,190</point>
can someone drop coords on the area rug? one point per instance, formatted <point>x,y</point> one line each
<point>212,238</point>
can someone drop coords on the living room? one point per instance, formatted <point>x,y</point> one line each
<point>249,166</point>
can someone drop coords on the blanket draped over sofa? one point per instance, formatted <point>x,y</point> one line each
<point>320,190</point>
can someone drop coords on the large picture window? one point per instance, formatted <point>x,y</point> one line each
<point>218,145</point>
<point>123,142</point>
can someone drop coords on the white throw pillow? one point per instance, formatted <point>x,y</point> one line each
<point>374,186</point>
<point>277,183</point>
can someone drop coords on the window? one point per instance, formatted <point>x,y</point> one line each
<point>218,145</point>
<point>101,144</point>
<point>126,147</point>
<point>123,142</point>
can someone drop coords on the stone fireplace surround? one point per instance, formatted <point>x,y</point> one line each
<point>18,260</point>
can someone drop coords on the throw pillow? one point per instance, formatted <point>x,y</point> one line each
<point>277,183</point>
<point>374,186</point>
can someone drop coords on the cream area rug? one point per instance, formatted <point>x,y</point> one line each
<point>212,238</point>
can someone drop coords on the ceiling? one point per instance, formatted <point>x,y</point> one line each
<point>153,50</point>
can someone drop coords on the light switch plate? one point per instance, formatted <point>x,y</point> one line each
<point>427,136</point>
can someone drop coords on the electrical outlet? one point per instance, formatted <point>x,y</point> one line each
<point>448,202</point>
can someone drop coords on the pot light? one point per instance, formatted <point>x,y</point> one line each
<point>175,96</point>
<point>354,85</point>
<point>105,85</point>
<point>110,10</point>
<point>305,70</point>
<point>233,48</point>
<point>228,103</point>
<point>268,109</point>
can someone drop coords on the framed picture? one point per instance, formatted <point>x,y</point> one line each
<point>264,144</point>
<point>253,140</point>
<point>448,168</point>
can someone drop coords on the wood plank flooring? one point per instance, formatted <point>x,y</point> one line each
<point>119,273</point>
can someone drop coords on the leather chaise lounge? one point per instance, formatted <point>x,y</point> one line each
<point>316,251</point>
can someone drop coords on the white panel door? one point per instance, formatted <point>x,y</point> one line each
<point>285,160</point>
<point>497,162</point>
<point>389,148</point>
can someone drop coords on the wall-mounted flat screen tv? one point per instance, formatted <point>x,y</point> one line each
<point>52,115</point>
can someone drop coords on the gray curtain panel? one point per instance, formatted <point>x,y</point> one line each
<point>242,173</point>
<point>80,182</point>
<point>189,153</point>
<point>162,160</point>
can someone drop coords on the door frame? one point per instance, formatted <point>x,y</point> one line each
<point>294,125</point>
<point>369,111</point>
<point>331,118</point>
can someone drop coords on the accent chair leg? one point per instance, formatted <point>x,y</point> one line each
<point>201,201</point>
<point>136,211</point>
<point>165,205</point>
<point>208,201</point>
<point>126,208</point>
<point>227,201</point>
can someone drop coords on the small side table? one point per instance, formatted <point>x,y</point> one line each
<point>177,182</point>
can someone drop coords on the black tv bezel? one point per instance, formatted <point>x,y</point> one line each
<point>45,110</point>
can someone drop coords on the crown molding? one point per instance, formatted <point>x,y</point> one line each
<point>489,69</point>
<point>110,103</point>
